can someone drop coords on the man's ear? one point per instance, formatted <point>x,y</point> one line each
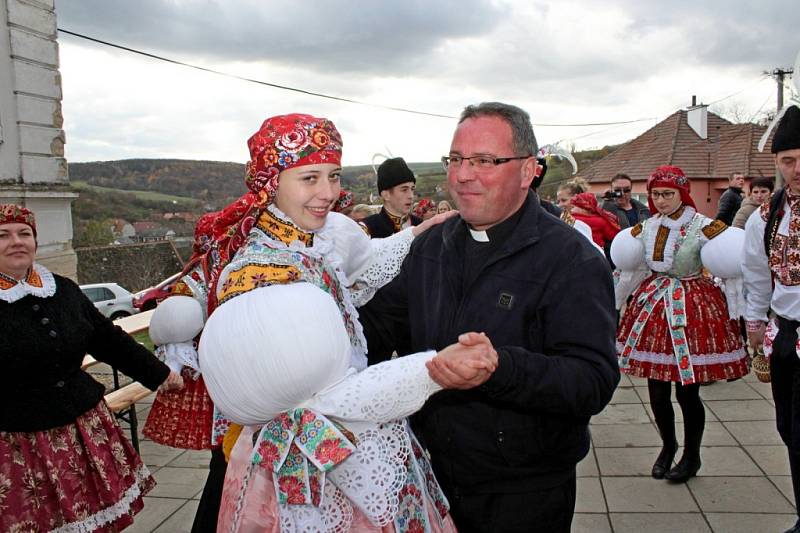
<point>384,193</point>
<point>528,172</point>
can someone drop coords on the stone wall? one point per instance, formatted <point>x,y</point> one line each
<point>134,266</point>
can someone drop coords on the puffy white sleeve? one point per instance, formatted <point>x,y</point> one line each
<point>721,255</point>
<point>628,253</point>
<point>173,326</point>
<point>367,264</point>
<point>384,392</point>
<point>755,268</point>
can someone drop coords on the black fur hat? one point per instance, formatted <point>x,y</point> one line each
<point>787,134</point>
<point>393,172</point>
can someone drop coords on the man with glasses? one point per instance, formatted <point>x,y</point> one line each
<point>628,211</point>
<point>504,446</point>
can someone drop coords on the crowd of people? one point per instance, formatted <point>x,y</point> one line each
<point>420,368</point>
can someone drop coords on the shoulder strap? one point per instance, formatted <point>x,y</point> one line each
<point>773,218</point>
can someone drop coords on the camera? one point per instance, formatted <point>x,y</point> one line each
<point>612,195</point>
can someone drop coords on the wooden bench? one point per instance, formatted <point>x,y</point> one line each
<point>122,400</point>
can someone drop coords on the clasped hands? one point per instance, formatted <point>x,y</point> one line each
<point>174,381</point>
<point>465,364</point>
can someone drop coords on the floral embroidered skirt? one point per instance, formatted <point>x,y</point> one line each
<point>83,476</point>
<point>249,503</point>
<point>714,340</point>
<point>182,418</point>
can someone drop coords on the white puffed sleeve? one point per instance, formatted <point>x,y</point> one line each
<point>627,252</point>
<point>755,268</point>
<point>173,326</point>
<point>367,264</point>
<point>721,255</point>
<point>384,392</point>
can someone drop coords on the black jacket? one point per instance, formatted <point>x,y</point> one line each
<point>641,209</point>
<point>545,299</point>
<point>42,345</point>
<point>729,204</point>
<point>380,225</point>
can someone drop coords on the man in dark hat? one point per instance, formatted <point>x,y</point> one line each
<point>396,185</point>
<point>771,269</point>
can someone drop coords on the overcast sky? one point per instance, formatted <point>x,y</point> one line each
<point>565,62</point>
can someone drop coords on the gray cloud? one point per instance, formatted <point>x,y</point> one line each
<point>347,36</point>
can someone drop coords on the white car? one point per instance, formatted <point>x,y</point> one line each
<point>111,299</point>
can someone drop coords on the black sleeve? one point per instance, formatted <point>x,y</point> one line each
<point>729,203</point>
<point>110,344</point>
<point>578,371</point>
<point>385,319</point>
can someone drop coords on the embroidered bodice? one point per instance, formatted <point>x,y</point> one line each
<point>39,282</point>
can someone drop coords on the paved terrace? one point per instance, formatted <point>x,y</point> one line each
<point>743,486</point>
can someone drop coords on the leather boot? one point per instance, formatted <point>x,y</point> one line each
<point>664,461</point>
<point>690,462</point>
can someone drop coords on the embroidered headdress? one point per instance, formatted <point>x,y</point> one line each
<point>423,206</point>
<point>673,178</point>
<point>289,141</point>
<point>588,202</point>
<point>11,213</point>
<point>344,201</point>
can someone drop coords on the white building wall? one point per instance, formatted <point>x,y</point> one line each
<point>33,171</point>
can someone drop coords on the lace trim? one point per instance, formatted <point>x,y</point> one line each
<point>706,359</point>
<point>110,514</point>
<point>388,256</point>
<point>198,287</point>
<point>23,289</point>
<point>176,355</point>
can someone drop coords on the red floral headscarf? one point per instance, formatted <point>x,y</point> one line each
<point>289,141</point>
<point>282,142</point>
<point>344,201</point>
<point>588,202</point>
<point>673,178</point>
<point>423,206</point>
<point>11,213</point>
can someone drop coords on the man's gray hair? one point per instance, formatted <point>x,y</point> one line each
<point>518,119</point>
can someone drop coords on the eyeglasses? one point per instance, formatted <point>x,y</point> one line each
<point>666,195</point>
<point>480,161</point>
<point>622,189</point>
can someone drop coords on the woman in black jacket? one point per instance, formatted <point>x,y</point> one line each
<point>64,461</point>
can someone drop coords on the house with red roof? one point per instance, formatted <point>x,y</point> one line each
<point>706,146</point>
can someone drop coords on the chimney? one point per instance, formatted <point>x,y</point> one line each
<point>697,117</point>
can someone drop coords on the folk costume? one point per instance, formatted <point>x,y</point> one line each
<point>679,325</point>
<point>582,227</point>
<point>603,224</point>
<point>65,464</point>
<point>771,266</point>
<point>259,249</point>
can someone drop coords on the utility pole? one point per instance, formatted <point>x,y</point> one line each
<point>779,74</point>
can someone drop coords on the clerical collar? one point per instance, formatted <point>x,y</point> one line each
<point>499,232</point>
<point>397,221</point>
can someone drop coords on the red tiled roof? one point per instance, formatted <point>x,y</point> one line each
<point>728,148</point>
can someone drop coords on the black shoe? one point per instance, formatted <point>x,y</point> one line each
<point>795,528</point>
<point>664,461</point>
<point>686,468</point>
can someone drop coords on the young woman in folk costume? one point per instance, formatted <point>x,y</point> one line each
<point>564,195</point>
<point>679,325</point>
<point>288,235</point>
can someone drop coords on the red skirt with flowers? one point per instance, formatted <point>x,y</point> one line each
<point>182,418</point>
<point>714,342</point>
<point>83,476</point>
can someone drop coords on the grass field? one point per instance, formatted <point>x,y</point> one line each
<point>143,195</point>
<point>144,338</point>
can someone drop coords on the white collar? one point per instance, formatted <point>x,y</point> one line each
<point>22,289</point>
<point>479,236</point>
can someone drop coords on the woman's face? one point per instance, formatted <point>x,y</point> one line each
<point>306,194</point>
<point>443,207</point>
<point>562,199</point>
<point>666,199</point>
<point>17,249</point>
<point>760,194</point>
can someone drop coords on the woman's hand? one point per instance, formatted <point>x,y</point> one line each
<point>466,364</point>
<point>174,381</point>
<point>436,219</point>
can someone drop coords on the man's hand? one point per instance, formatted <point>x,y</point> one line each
<point>466,364</point>
<point>174,381</point>
<point>755,333</point>
<point>435,219</point>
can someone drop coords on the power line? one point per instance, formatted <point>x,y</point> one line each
<point>318,94</point>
